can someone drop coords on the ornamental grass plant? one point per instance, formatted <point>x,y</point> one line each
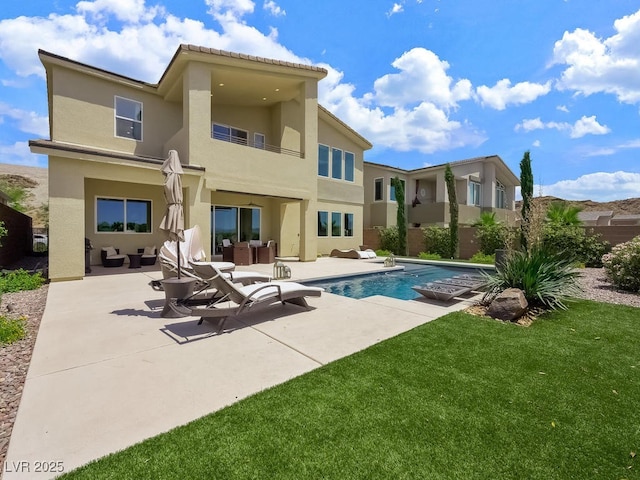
<point>547,280</point>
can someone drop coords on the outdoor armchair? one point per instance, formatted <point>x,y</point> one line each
<point>111,257</point>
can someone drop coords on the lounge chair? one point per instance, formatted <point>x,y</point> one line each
<point>236,300</point>
<point>190,251</point>
<point>207,270</point>
<point>441,291</point>
<point>353,253</point>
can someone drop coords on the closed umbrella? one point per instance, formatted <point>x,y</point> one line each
<point>173,220</point>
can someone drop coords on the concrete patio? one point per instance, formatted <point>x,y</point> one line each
<point>108,371</point>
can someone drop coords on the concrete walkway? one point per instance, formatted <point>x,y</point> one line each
<point>107,371</point>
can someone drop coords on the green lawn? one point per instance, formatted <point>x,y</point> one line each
<point>459,398</point>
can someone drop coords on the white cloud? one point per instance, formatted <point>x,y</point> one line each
<point>423,77</point>
<point>608,65</point>
<point>536,143</point>
<point>562,108</point>
<point>27,122</point>
<point>503,94</point>
<point>599,186</point>
<point>397,8</point>
<point>19,154</point>
<point>273,8</point>
<point>588,126</point>
<point>407,110</point>
<point>612,150</point>
<point>129,11</point>
<point>583,126</point>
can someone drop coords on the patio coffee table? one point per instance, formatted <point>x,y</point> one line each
<point>134,260</point>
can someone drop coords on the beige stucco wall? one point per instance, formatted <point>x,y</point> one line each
<point>326,244</point>
<point>83,113</point>
<point>73,187</point>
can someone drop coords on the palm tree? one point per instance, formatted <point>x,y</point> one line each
<point>487,219</point>
<point>562,213</point>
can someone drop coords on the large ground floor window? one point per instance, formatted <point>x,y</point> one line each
<point>113,214</point>
<point>237,224</point>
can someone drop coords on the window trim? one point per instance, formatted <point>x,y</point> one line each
<point>333,151</point>
<point>344,166</point>
<point>500,188</point>
<point>328,175</point>
<point>344,227</point>
<point>124,212</point>
<point>393,189</point>
<point>338,227</point>
<point>255,141</point>
<point>471,197</point>
<point>326,235</point>
<point>231,136</point>
<point>381,199</point>
<point>116,117</point>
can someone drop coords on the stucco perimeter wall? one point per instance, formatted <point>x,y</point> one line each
<point>19,239</point>
<point>615,234</point>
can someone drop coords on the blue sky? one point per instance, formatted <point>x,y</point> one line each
<point>426,81</point>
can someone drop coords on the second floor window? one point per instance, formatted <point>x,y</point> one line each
<point>474,193</point>
<point>258,140</point>
<point>229,134</point>
<point>392,191</point>
<point>501,196</point>
<point>128,114</point>
<point>336,163</point>
<point>378,183</point>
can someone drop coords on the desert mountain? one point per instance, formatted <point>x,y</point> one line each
<point>629,206</point>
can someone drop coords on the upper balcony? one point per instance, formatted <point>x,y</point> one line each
<point>255,142</point>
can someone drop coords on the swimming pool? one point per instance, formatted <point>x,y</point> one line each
<point>395,283</point>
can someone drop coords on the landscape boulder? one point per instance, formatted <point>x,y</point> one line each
<point>508,305</point>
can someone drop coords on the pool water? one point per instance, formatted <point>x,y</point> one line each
<point>395,284</point>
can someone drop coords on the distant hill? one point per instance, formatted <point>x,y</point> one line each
<point>630,206</point>
<point>35,181</point>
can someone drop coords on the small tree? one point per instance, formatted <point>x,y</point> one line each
<point>450,181</point>
<point>401,216</point>
<point>526,189</point>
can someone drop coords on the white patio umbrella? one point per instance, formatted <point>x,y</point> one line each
<point>173,220</point>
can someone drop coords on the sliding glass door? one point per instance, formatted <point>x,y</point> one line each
<point>237,224</point>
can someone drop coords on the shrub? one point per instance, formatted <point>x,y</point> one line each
<point>547,279</point>
<point>383,253</point>
<point>437,240</point>
<point>3,232</point>
<point>18,280</point>
<point>428,256</point>
<point>572,241</point>
<point>11,329</point>
<point>482,258</point>
<point>492,237</point>
<point>389,239</point>
<point>622,265</point>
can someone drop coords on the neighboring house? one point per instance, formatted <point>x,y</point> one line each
<point>595,218</point>
<point>262,160</point>
<point>483,184</point>
<point>629,219</point>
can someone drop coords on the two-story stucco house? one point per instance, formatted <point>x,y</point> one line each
<point>262,160</point>
<point>482,184</point>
